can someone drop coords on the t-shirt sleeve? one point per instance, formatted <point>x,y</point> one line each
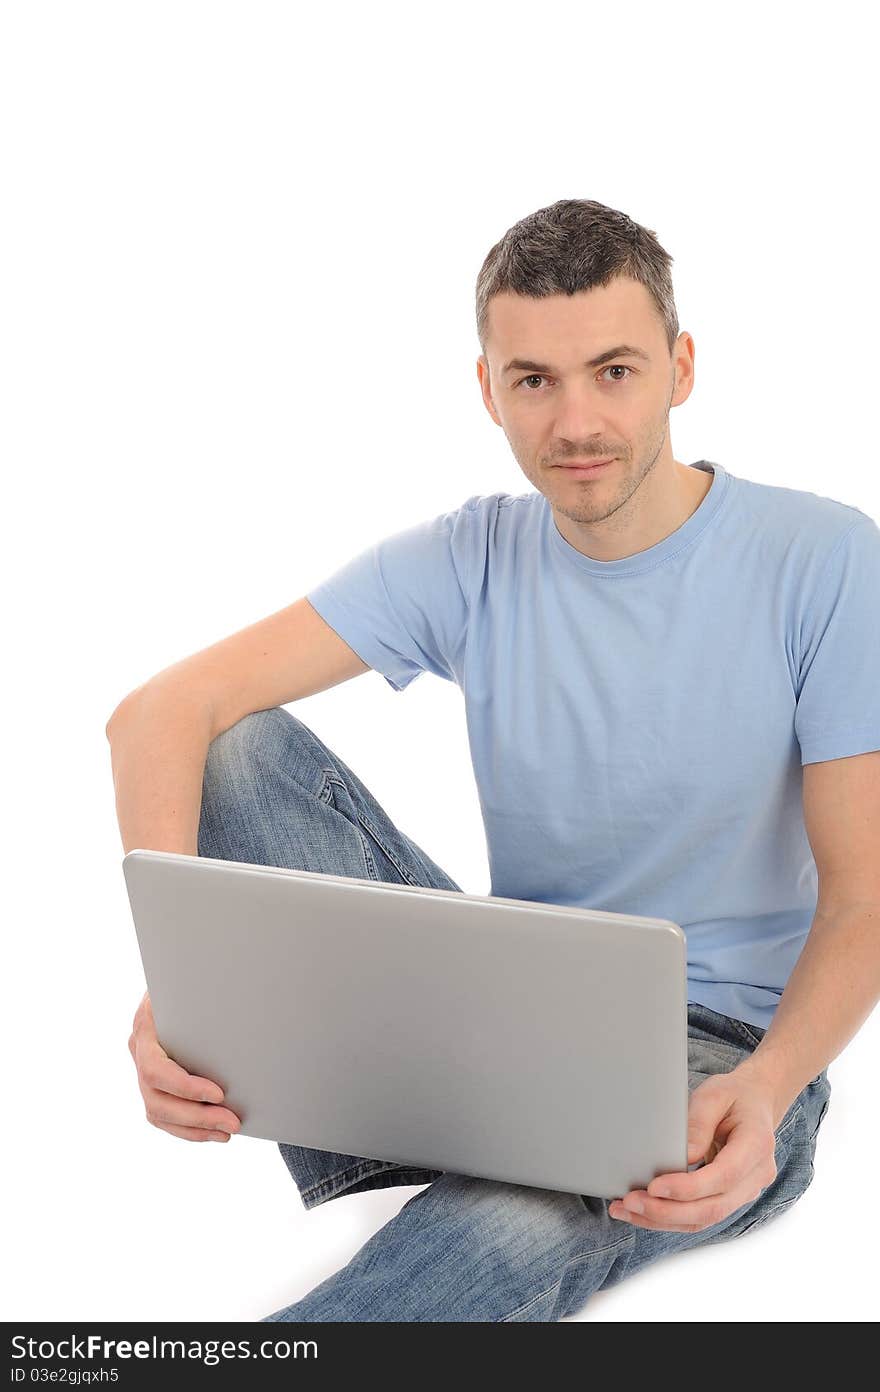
<point>402,604</point>
<point>838,705</point>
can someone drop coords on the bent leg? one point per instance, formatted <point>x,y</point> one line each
<point>274,794</point>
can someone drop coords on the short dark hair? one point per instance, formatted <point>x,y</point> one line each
<point>576,244</point>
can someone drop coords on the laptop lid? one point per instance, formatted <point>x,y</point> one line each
<point>534,1043</point>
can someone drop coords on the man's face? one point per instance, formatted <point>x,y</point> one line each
<point>569,411</point>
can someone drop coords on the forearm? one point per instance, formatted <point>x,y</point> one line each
<point>832,990</point>
<point>159,738</point>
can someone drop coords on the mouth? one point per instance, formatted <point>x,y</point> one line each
<point>585,469</point>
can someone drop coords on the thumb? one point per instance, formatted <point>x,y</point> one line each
<point>702,1150</point>
<point>703,1118</point>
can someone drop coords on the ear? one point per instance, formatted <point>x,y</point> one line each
<point>485,387</point>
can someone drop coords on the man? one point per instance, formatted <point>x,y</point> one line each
<point>670,675</point>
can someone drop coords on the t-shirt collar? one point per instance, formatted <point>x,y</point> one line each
<point>655,555</point>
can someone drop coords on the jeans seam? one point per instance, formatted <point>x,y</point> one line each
<point>815,1130</point>
<point>369,862</point>
<point>773,1211</point>
<point>575,1261</point>
<point>330,778</point>
<point>351,1174</point>
<point>744,1030</point>
<point>786,1126</point>
<point>398,865</point>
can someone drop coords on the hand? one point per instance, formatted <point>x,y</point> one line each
<point>176,1101</point>
<point>730,1123</point>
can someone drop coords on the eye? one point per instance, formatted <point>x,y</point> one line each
<point>539,377</point>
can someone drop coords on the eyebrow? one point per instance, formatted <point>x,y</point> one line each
<point>623,350</point>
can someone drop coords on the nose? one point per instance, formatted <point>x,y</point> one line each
<point>581,421</point>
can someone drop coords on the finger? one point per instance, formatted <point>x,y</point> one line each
<point>189,1133</point>
<point>664,1215</point>
<point>143,1015</point>
<point>157,1069</point>
<point>163,1108</point>
<point>635,1220</point>
<point>161,1072</point>
<point>745,1151</point>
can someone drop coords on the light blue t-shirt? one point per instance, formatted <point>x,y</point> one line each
<point>637,727</point>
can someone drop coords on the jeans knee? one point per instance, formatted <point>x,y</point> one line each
<point>256,774</point>
<point>251,739</point>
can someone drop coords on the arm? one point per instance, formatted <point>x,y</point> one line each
<point>159,733</point>
<point>159,737</point>
<point>832,989</point>
<point>835,983</point>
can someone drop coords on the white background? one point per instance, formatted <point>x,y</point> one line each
<point>239,251</point>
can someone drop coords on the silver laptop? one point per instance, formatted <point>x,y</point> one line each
<point>534,1043</point>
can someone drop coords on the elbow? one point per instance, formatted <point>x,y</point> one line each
<point>114,714</point>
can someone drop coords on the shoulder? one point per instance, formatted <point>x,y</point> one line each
<point>493,515</point>
<point>797,515</point>
<point>813,545</point>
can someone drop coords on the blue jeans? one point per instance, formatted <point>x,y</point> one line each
<point>462,1249</point>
